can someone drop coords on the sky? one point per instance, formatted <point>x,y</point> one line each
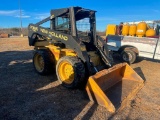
<point>108,11</point>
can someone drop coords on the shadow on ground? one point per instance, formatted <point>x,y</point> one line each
<point>117,59</point>
<point>26,95</point>
<point>147,59</point>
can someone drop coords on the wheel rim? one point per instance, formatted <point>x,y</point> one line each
<point>127,57</point>
<point>66,72</point>
<point>39,63</point>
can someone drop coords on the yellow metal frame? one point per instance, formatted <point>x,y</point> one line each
<point>60,52</point>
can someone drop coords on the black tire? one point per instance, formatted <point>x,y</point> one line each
<point>77,67</point>
<point>128,56</point>
<point>43,62</point>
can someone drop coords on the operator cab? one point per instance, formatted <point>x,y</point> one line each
<point>75,21</point>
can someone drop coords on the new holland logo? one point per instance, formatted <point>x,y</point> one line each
<point>35,29</point>
<point>60,36</point>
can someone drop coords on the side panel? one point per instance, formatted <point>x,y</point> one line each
<point>55,36</point>
<point>114,42</point>
<point>145,46</point>
<point>57,51</point>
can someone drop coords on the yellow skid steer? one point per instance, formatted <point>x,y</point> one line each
<point>80,57</point>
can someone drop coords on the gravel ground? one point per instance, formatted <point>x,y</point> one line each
<point>26,95</point>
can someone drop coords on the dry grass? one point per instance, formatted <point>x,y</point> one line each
<point>26,95</point>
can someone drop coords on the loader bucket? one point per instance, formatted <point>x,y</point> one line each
<point>113,88</point>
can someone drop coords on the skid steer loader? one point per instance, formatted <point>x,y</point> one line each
<point>80,57</point>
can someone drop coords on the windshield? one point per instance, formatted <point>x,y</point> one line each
<point>62,23</point>
<point>84,22</point>
<point>83,26</point>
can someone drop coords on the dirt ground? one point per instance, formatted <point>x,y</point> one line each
<point>26,95</point>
